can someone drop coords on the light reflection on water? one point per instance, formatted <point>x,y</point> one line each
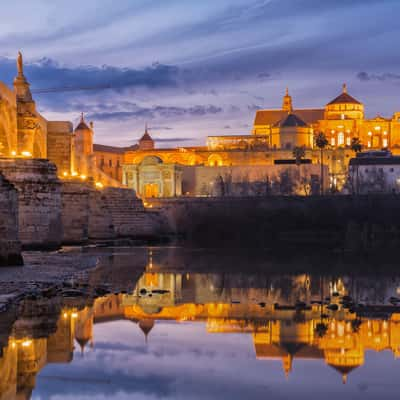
<point>211,335</point>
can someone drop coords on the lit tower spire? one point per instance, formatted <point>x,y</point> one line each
<point>287,102</point>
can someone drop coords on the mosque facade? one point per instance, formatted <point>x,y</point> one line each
<point>249,164</point>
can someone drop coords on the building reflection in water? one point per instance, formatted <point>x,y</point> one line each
<point>288,317</point>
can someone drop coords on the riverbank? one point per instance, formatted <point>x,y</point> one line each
<point>43,272</point>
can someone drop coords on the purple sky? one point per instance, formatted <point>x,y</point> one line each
<point>183,361</point>
<point>192,69</point>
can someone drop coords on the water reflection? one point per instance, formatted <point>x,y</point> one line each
<point>332,320</point>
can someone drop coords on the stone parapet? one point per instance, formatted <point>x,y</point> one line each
<point>39,201</point>
<point>75,211</point>
<point>10,247</point>
<point>90,214</point>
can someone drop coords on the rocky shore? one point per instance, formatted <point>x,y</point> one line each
<point>45,275</point>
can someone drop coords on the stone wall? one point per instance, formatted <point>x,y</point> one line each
<point>75,211</point>
<point>60,145</point>
<point>39,201</point>
<point>10,247</point>
<point>110,213</point>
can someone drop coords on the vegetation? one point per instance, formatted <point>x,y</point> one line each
<point>299,152</point>
<point>356,145</point>
<point>321,142</point>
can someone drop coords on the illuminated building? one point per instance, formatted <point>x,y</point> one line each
<point>275,133</point>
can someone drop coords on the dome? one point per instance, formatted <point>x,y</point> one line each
<point>146,142</point>
<point>344,98</point>
<point>344,370</point>
<point>291,120</point>
<point>82,126</point>
<point>146,325</point>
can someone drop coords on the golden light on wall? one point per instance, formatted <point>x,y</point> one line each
<point>26,154</point>
<point>99,185</point>
<point>26,343</point>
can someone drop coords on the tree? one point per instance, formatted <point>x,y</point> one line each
<point>356,145</point>
<point>321,142</point>
<point>299,152</point>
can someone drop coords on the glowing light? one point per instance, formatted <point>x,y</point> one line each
<point>65,173</point>
<point>83,177</point>
<point>99,185</point>
<point>74,315</point>
<point>26,154</point>
<point>74,173</point>
<point>26,343</point>
<point>65,315</point>
<point>13,153</point>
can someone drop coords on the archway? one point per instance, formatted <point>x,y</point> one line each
<point>215,160</point>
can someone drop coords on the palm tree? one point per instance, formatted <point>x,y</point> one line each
<point>356,145</point>
<point>299,152</point>
<point>321,142</point>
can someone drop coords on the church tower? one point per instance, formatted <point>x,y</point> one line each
<point>287,102</point>
<point>146,142</point>
<point>84,138</point>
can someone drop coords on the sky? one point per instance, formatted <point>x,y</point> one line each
<point>183,361</point>
<point>190,69</point>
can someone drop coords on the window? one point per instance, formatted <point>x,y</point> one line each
<point>369,143</point>
<point>348,141</point>
<point>384,142</point>
<point>110,163</point>
<point>333,141</point>
<point>340,138</point>
<point>342,116</point>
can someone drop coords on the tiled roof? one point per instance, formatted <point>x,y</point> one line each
<point>344,98</point>
<point>271,117</point>
<point>291,120</point>
<point>111,149</point>
<point>82,126</point>
<point>146,137</point>
<point>395,160</point>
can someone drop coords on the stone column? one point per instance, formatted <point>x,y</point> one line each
<point>39,201</point>
<point>10,247</point>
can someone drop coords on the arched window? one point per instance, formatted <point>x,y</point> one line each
<point>340,139</point>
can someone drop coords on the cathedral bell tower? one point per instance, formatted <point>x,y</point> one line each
<point>287,102</point>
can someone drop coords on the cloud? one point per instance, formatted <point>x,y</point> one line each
<point>160,128</point>
<point>172,140</point>
<point>156,111</point>
<point>388,76</point>
<point>49,74</point>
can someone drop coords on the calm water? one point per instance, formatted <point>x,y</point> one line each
<point>186,328</point>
